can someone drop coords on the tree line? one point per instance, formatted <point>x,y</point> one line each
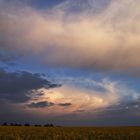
<point>27,124</point>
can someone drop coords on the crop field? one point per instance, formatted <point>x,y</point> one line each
<point>69,133</point>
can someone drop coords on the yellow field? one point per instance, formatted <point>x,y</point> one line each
<point>69,133</point>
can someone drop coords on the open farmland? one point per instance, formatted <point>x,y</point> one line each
<point>69,133</point>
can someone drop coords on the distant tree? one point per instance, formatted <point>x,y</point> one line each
<point>37,125</point>
<point>11,124</point>
<point>51,125</point>
<point>26,124</point>
<point>17,124</point>
<point>5,124</point>
<point>48,125</point>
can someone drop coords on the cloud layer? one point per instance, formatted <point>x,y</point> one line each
<point>68,99</point>
<point>105,41</point>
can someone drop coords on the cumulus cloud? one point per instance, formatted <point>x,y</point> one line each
<point>105,41</point>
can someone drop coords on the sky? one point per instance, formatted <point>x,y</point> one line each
<point>70,62</point>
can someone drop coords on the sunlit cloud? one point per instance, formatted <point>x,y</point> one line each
<point>81,41</point>
<point>70,99</point>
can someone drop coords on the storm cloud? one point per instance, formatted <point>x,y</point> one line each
<point>18,86</point>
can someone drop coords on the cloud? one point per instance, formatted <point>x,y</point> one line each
<point>81,6</point>
<point>19,86</point>
<point>106,40</point>
<point>130,105</point>
<point>111,94</point>
<point>107,117</point>
<point>65,104</point>
<point>44,104</point>
<point>41,104</point>
<point>5,58</point>
<point>88,106</point>
<point>80,40</point>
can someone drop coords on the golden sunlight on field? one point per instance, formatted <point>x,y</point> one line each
<point>69,133</point>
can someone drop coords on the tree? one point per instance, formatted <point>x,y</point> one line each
<point>5,124</point>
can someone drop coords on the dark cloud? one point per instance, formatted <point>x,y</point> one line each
<point>41,104</point>
<point>65,104</point>
<point>130,105</point>
<point>18,86</point>
<point>47,104</point>
<point>55,85</point>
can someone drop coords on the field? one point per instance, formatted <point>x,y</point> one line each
<point>69,133</point>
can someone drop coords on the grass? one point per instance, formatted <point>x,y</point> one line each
<point>69,133</point>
